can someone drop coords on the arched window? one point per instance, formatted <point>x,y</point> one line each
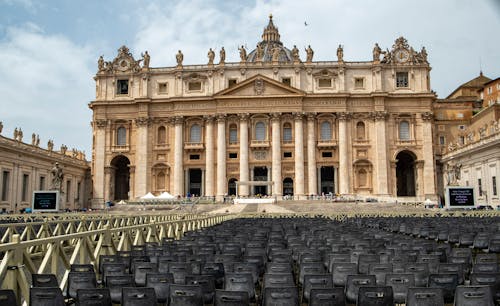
<point>195,133</point>
<point>360,130</point>
<point>121,136</point>
<point>162,135</point>
<point>326,131</point>
<point>260,131</point>
<point>287,132</point>
<point>160,181</point>
<point>233,133</point>
<point>362,178</point>
<point>404,130</point>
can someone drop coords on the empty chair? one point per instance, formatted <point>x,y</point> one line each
<point>46,296</point>
<point>247,267</point>
<point>424,296</point>
<point>473,295</point>
<point>310,268</point>
<point>115,283</point>
<point>93,297</point>
<point>420,271</point>
<point>207,283</point>
<point>113,269</point>
<point>138,296</point>
<point>240,282</point>
<point>486,258</point>
<point>140,271</point>
<point>216,269</point>
<point>178,269</point>
<point>8,297</point>
<point>160,282</point>
<point>376,295</point>
<point>277,267</point>
<point>380,271</point>
<point>288,296</point>
<point>354,282</point>
<point>231,298</point>
<point>316,281</point>
<point>365,260</point>
<point>80,280</point>
<point>488,267</point>
<point>400,284</point>
<point>452,268</point>
<point>327,297</point>
<point>337,258</point>
<point>341,270</point>
<point>448,282</point>
<point>277,280</point>
<point>186,295</point>
<point>82,268</point>
<point>487,279</point>
<point>44,280</point>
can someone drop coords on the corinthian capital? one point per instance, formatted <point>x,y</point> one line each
<point>275,116</point>
<point>142,121</point>
<point>244,116</point>
<point>221,118</point>
<point>178,120</point>
<point>379,116</point>
<point>427,116</point>
<point>344,116</point>
<point>298,116</point>
<point>100,123</point>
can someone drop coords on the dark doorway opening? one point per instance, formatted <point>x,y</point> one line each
<point>260,174</point>
<point>405,174</point>
<point>231,187</point>
<point>288,186</point>
<point>194,182</point>
<point>327,180</point>
<point>122,177</point>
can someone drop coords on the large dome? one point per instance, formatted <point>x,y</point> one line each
<point>269,46</point>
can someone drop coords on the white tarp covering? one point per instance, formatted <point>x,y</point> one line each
<point>166,195</point>
<point>122,202</point>
<point>148,196</point>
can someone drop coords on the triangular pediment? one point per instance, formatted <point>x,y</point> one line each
<point>259,86</point>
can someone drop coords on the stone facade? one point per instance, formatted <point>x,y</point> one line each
<point>26,167</point>
<point>268,124</point>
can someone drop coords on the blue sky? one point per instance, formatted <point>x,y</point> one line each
<point>49,49</point>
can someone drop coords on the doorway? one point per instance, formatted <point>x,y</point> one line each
<point>405,174</point>
<point>194,187</point>
<point>327,180</point>
<point>122,177</point>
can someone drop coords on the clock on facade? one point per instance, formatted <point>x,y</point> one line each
<point>402,56</point>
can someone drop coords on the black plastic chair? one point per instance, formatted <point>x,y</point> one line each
<point>473,295</point>
<point>80,280</point>
<point>140,271</point>
<point>487,279</point>
<point>160,282</point>
<point>8,297</point>
<point>186,295</point>
<point>280,296</point>
<point>277,280</point>
<point>217,270</point>
<point>310,268</point>
<point>341,270</point>
<point>448,282</point>
<point>46,296</point>
<point>354,282</point>
<point>400,284</point>
<point>134,296</point>
<point>316,281</point>
<point>113,269</point>
<point>420,271</point>
<point>375,296</point>
<point>82,268</point>
<point>380,270</point>
<point>231,298</point>
<point>44,280</point>
<point>115,283</point>
<point>93,297</point>
<point>275,267</point>
<point>327,297</point>
<point>207,283</point>
<point>240,282</point>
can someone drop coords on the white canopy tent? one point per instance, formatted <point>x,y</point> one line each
<point>165,196</point>
<point>148,196</point>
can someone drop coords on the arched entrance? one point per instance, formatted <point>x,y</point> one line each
<point>288,186</point>
<point>231,187</point>
<point>122,177</point>
<point>260,174</point>
<point>405,174</point>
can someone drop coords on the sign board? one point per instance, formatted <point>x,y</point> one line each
<point>459,197</point>
<point>45,201</point>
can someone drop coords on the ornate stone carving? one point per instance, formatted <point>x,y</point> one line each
<point>340,54</point>
<point>275,116</point>
<point>178,120</point>
<point>222,56</point>
<point>344,115</point>
<point>211,56</point>
<point>402,53</point>
<point>142,121</point>
<point>101,123</point>
<point>310,54</point>
<point>379,115</point>
<point>260,155</point>
<point>244,116</point>
<point>311,116</point>
<point>259,86</point>
<point>427,116</point>
<point>298,116</point>
<point>295,54</point>
<point>145,60</point>
<point>123,62</point>
<point>221,117</point>
<point>209,118</point>
<point>50,145</point>
<point>179,57</point>
<point>376,53</point>
<point>63,149</point>
<point>243,54</point>
<point>57,177</point>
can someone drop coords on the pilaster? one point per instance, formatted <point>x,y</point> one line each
<point>276,154</point>
<point>298,189</point>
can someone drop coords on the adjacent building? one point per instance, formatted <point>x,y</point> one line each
<point>275,123</point>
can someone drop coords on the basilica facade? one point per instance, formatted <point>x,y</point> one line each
<point>275,123</point>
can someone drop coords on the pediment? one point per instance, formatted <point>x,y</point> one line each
<point>259,86</point>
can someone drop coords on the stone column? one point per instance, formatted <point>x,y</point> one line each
<point>393,180</point>
<point>209,157</point>
<point>428,154</point>
<point>419,178</point>
<point>344,177</point>
<point>312,182</point>
<point>298,189</point>
<point>276,154</point>
<point>178,159</point>
<point>141,157</point>
<point>221,158</point>
<point>243,154</point>
<point>99,163</point>
<point>381,153</point>
<point>108,191</point>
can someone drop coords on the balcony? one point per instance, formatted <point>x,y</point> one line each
<point>326,144</point>
<point>194,146</point>
<point>119,149</point>
<point>410,142</point>
<point>259,144</point>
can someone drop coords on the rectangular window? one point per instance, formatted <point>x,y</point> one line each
<point>231,82</point>
<point>5,185</point>
<point>24,194</point>
<point>359,83</point>
<point>162,88</point>
<point>480,187</point>
<point>461,140</point>
<point>194,156</point>
<point>325,83</point>
<point>441,140</point>
<point>326,154</point>
<point>42,183</point>
<point>490,90</point>
<point>401,79</point>
<point>68,190</point>
<point>122,87</point>
<point>286,81</point>
<point>287,154</point>
<point>194,86</point>
<point>494,184</point>
<point>461,127</point>
<point>78,187</point>
<point>233,155</point>
<point>233,136</point>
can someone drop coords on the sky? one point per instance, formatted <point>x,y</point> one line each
<point>49,49</point>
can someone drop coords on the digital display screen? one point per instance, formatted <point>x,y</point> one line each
<point>45,201</point>
<point>461,197</point>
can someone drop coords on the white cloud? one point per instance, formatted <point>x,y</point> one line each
<point>46,84</point>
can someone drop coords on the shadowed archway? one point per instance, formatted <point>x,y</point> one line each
<point>405,174</point>
<point>121,177</point>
